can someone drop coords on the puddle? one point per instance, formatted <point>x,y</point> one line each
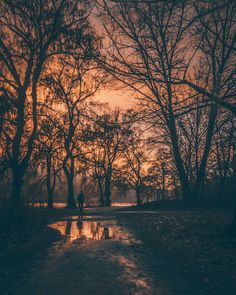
<point>89,218</point>
<point>92,227</point>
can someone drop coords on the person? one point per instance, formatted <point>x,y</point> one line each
<point>81,201</point>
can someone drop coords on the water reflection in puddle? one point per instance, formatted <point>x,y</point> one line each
<point>91,227</point>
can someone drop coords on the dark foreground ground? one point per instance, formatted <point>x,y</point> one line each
<point>149,251</point>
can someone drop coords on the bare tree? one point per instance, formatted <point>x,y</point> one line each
<point>97,164</point>
<point>215,33</point>
<point>72,87</point>
<point>108,135</point>
<point>214,26</point>
<point>32,34</point>
<point>134,165</point>
<point>47,155</point>
<point>147,53</point>
<point>154,48</point>
<point>224,143</point>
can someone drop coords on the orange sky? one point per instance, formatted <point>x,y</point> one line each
<point>115,98</point>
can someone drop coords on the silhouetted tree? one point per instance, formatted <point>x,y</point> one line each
<point>152,49</point>
<point>214,27</point>
<point>47,154</point>
<point>98,172</point>
<point>32,33</point>
<point>135,160</point>
<point>224,144</point>
<point>72,87</point>
<point>109,134</point>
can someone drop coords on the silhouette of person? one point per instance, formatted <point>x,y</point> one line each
<point>81,201</point>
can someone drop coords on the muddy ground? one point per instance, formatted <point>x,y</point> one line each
<point>109,251</point>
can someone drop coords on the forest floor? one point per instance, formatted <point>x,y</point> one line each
<point>118,251</point>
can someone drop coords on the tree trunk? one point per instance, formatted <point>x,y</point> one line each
<point>16,191</point>
<point>19,167</point>
<point>69,172</point>
<point>198,186</point>
<point>17,184</point>
<point>50,201</point>
<point>101,192</point>
<point>138,197</point>
<point>68,227</point>
<point>101,198</point>
<point>163,181</point>
<point>17,172</point>
<point>70,192</point>
<point>50,187</point>
<point>185,187</point>
<point>107,192</point>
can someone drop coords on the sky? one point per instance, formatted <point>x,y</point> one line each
<point>116,98</point>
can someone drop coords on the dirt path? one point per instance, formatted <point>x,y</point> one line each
<point>99,255</point>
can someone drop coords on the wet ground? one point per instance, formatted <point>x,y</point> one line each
<point>98,254</point>
<point>118,251</point>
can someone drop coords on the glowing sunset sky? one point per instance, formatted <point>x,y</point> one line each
<point>120,98</point>
<point>115,98</point>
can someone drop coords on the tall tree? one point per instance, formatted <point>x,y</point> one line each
<point>135,160</point>
<point>152,49</point>
<point>32,33</point>
<point>47,155</point>
<point>147,51</point>
<point>72,87</point>
<point>214,28</point>
<point>215,34</point>
<point>110,131</point>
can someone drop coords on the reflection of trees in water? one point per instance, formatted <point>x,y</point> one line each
<point>94,230</point>
<point>80,226</point>
<point>105,233</point>
<point>99,232</point>
<point>73,230</point>
<point>68,227</point>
